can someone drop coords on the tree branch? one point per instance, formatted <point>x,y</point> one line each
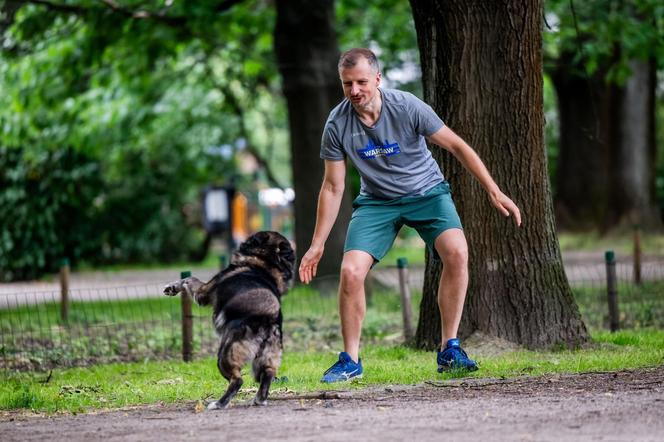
<point>140,14</point>
<point>71,9</point>
<point>234,103</point>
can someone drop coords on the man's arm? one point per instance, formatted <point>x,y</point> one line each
<point>450,141</point>
<point>329,201</point>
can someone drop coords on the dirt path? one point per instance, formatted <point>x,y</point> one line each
<point>621,406</point>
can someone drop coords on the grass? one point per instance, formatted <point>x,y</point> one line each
<point>639,306</point>
<point>122,385</point>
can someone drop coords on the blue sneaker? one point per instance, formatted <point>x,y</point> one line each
<point>343,370</point>
<point>454,358</point>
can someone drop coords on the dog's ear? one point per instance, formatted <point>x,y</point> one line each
<point>285,258</point>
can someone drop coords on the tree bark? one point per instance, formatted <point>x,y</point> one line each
<point>307,53</point>
<point>482,72</point>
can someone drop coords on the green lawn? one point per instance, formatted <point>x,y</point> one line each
<point>120,385</point>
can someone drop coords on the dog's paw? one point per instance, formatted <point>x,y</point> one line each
<point>216,406</point>
<point>173,288</point>
<point>259,403</point>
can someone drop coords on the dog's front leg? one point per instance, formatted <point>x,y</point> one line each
<point>191,286</point>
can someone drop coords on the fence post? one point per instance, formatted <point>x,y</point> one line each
<point>222,262</point>
<point>64,289</point>
<point>612,290</point>
<point>404,289</point>
<point>637,254</point>
<point>187,322</point>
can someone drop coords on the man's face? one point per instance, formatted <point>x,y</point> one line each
<point>360,83</point>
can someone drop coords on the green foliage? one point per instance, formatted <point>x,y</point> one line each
<point>605,34</point>
<point>52,199</point>
<point>387,27</point>
<point>149,99</point>
<point>148,103</point>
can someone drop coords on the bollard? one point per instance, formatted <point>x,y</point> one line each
<point>612,290</point>
<point>187,323</point>
<point>637,255</point>
<point>404,289</point>
<point>64,290</point>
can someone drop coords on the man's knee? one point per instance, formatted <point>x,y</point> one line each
<point>354,268</point>
<point>352,273</point>
<point>456,257</point>
<point>452,248</point>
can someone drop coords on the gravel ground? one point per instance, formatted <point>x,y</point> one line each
<point>620,406</point>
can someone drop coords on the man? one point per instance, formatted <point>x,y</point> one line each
<point>383,133</point>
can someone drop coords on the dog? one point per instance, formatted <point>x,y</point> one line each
<point>246,302</point>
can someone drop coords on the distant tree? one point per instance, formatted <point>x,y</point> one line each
<point>482,72</point>
<point>307,53</point>
<point>602,56</point>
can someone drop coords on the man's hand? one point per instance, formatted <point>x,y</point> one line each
<point>506,206</point>
<point>309,264</point>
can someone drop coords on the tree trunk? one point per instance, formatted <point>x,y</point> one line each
<point>482,72</point>
<point>584,112</point>
<point>632,198</point>
<point>307,53</point>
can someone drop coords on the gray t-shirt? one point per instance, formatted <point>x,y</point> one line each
<point>391,157</point>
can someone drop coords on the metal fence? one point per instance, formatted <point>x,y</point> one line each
<point>115,322</point>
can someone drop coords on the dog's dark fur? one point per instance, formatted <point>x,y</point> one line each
<point>246,298</point>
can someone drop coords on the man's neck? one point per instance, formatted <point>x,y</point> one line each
<point>370,113</point>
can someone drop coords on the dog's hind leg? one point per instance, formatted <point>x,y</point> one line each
<point>233,387</point>
<point>266,364</point>
<point>230,360</point>
<point>266,378</point>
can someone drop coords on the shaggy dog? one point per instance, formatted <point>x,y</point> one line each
<point>246,299</point>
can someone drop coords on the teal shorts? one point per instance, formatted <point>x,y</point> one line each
<point>376,222</point>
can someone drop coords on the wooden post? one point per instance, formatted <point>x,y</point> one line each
<point>64,290</point>
<point>612,290</point>
<point>187,323</point>
<point>222,262</point>
<point>404,289</point>
<point>637,255</point>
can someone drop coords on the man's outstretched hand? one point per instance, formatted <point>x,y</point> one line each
<point>309,264</point>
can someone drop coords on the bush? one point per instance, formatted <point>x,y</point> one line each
<point>48,210</point>
<point>61,203</point>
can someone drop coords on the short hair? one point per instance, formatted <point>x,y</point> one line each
<point>351,57</point>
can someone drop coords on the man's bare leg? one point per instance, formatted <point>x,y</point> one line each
<point>452,248</point>
<point>352,303</point>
